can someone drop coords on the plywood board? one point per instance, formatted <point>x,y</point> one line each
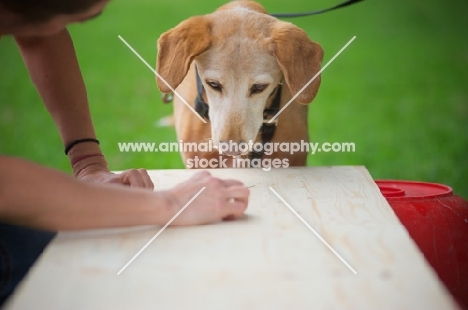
<point>268,260</point>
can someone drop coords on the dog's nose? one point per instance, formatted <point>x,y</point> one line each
<point>232,148</point>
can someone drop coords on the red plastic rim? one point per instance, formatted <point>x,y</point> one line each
<point>406,190</point>
<point>388,191</point>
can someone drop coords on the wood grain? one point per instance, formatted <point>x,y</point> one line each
<point>268,260</point>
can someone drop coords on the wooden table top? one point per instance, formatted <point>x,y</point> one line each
<point>268,260</point>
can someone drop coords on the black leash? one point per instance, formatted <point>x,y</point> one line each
<point>341,5</point>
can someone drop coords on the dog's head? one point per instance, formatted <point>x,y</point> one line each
<point>242,54</point>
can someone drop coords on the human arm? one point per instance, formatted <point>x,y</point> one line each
<point>53,68</point>
<point>40,197</point>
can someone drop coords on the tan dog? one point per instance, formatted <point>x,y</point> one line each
<point>242,55</point>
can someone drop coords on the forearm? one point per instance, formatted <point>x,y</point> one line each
<point>39,197</point>
<point>53,68</point>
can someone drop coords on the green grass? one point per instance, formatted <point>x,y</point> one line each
<point>399,92</point>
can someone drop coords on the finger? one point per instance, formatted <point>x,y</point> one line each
<point>132,178</point>
<point>114,179</point>
<point>230,182</point>
<point>243,201</point>
<point>201,175</point>
<point>238,192</point>
<point>233,210</point>
<point>146,179</point>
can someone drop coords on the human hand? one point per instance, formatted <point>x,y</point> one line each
<point>220,200</point>
<point>94,169</point>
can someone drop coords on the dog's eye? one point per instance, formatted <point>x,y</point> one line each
<point>215,85</point>
<point>258,88</point>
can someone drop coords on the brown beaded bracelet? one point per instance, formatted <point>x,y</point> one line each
<point>73,143</point>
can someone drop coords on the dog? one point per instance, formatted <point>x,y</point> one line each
<point>238,67</point>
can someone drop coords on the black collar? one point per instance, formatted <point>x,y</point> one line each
<point>200,105</point>
<point>267,130</point>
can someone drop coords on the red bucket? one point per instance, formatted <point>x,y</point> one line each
<point>437,221</point>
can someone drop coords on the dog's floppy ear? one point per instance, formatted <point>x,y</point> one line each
<point>178,47</point>
<point>298,57</point>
